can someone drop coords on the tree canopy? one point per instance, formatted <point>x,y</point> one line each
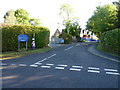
<point>66,11</point>
<point>68,20</point>
<point>103,19</point>
<point>118,15</point>
<point>9,17</point>
<point>20,16</point>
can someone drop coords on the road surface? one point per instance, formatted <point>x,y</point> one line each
<point>67,66</point>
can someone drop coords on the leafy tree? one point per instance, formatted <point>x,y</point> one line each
<point>22,16</point>
<point>103,19</point>
<point>9,17</point>
<point>118,15</point>
<point>72,27</point>
<point>70,22</point>
<point>66,11</point>
<point>34,21</point>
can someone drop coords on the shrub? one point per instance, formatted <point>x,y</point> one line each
<point>67,38</point>
<point>78,38</point>
<point>110,41</point>
<point>10,39</point>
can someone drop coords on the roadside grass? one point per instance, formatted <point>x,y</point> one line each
<point>100,48</point>
<point>14,54</point>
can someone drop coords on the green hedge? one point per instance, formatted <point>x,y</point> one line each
<point>10,33</point>
<point>110,41</point>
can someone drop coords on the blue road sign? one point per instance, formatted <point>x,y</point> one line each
<point>62,41</point>
<point>22,38</point>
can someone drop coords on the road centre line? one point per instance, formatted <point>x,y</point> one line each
<point>77,44</point>
<point>93,71</point>
<point>46,58</point>
<point>111,70</point>
<point>112,73</point>
<point>77,66</point>
<point>68,48</point>
<point>59,68</point>
<point>93,68</point>
<point>74,69</point>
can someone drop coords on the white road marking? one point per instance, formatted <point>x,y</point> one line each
<point>46,58</point>
<point>94,71</point>
<point>68,48</point>
<point>3,64</point>
<point>111,70</point>
<point>59,68</point>
<point>34,65</point>
<point>77,44</point>
<point>38,63</point>
<point>22,65</point>
<point>93,68</point>
<point>74,69</point>
<point>112,73</point>
<point>12,64</point>
<point>62,65</point>
<point>77,66</point>
<point>45,66</point>
<point>49,64</point>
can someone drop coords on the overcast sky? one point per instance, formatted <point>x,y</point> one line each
<point>48,10</point>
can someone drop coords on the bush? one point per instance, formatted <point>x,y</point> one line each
<point>110,41</point>
<point>67,38</point>
<point>10,39</point>
<point>78,38</point>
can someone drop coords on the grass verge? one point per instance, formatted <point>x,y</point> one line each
<point>13,54</point>
<point>100,48</point>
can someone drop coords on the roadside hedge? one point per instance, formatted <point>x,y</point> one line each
<point>110,41</point>
<point>10,39</point>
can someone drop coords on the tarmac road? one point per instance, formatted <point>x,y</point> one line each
<point>66,66</point>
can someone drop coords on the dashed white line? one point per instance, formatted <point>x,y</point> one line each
<point>49,64</point>
<point>68,48</point>
<point>112,73</point>
<point>34,65</point>
<point>77,44</point>
<point>62,65</point>
<point>93,71</point>
<point>74,69</point>
<point>45,66</point>
<point>13,64</point>
<point>3,64</point>
<point>93,68</point>
<point>111,70</point>
<point>59,68</point>
<point>22,65</point>
<point>77,66</point>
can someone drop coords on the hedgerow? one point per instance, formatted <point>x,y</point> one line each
<point>10,36</point>
<point>110,41</point>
